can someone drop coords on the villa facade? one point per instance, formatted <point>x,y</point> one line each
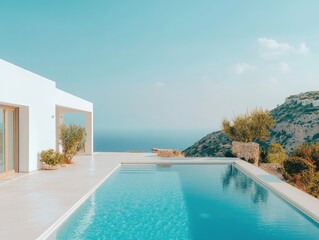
<point>31,108</point>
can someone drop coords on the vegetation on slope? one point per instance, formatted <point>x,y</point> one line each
<point>301,169</point>
<point>296,122</point>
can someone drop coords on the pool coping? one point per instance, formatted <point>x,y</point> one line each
<point>51,230</point>
<point>301,200</point>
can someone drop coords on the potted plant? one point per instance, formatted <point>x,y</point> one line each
<point>50,159</point>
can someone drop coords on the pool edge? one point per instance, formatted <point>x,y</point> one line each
<point>303,201</point>
<point>279,187</point>
<point>48,233</point>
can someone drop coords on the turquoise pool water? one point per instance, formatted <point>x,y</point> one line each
<point>185,202</point>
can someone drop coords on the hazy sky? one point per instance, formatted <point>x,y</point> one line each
<point>167,64</point>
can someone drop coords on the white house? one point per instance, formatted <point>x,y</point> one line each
<point>31,107</point>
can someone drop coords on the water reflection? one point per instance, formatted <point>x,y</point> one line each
<point>237,180</point>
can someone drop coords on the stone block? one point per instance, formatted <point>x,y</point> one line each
<point>246,151</point>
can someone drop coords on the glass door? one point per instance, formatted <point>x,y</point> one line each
<point>1,140</point>
<point>10,163</point>
<point>8,140</point>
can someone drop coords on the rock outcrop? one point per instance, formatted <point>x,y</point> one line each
<point>296,122</point>
<point>215,144</point>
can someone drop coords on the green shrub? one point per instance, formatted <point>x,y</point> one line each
<point>314,158</point>
<point>302,151</point>
<point>313,188</point>
<point>72,139</point>
<point>50,157</point>
<point>263,155</point>
<point>250,126</point>
<point>301,168</point>
<point>294,166</point>
<point>308,181</point>
<point>276,153</point>
<point>309,152</point>
<point>315,137</point>
<point>302,174</point>
<point>229,153</point>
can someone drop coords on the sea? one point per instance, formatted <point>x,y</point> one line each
<point>142,140</point>
<point>139,140</point>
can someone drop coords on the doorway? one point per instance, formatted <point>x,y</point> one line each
<point>8,140</point>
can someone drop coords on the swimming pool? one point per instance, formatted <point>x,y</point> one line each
<point>185,201</point>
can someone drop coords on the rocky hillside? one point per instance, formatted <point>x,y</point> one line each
<point>296,121</point>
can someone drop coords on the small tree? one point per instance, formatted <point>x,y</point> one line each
<point>72,139</point>
<point>249,126</point>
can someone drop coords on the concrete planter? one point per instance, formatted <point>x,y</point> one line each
<point>246,151</point>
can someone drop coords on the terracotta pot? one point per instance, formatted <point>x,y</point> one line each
<point>46,166</point>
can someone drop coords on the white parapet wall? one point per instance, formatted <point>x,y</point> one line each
<point>37,99</point>
<point>68,103</point>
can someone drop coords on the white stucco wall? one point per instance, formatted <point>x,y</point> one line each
<point>70,101</point>
<point>37,98</point>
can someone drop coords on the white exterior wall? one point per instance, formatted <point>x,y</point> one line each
<point>37,98</point>
<point>69,103</point>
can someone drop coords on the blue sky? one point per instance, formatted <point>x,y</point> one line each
<point>167,64</point>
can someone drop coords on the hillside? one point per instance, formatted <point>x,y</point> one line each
<point>296,121</point>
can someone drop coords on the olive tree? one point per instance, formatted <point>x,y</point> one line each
<point>255,125</point>
<point>72,139</point>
